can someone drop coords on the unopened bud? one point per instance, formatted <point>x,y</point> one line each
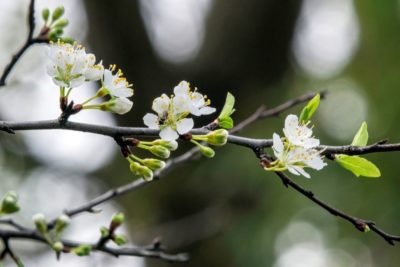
<point>117,219</point>
<point>82,250</point>
<point>153,164</point>
<point>104,232</point>
<point>61,23</point>
<point>67,40</point>
<point>57,13</point>
<point>9,204</point>
<point>170,145</point>
<point>160,151</point>
<point>45,14</point>
<point>61,223</point>
<point>58,246</point>
<point>207,151</point>
<point>218,137</point>
<point>119,240</point>
<point>146,173</point>
<point>40,223</point>
<point>119,105</point>
<point>134,166</point>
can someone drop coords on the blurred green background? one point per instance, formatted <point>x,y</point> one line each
<point>228,211</point>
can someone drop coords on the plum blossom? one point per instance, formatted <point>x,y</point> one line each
<point>189,101</point>
<point>71,66</point>
<point>295,158</point>
<point>115,84</point>
<point>172,111</point>
<point>298,134</point>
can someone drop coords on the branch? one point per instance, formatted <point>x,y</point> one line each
<point>361,224</point>
<point>29,41</point>
<point>148,252</point>
<point>190,154</point>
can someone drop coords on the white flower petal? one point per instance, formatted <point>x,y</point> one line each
<point>185,125</point>
<point>277,145</point>
<point>293,170</point>
<point>207,110</point>
<point>168,134</point>
<point>151,121</point>
<point>77,81</point>
<point>182,88</point>
<point>302,171</point>
<point>121,105</point>
<point>161,104</point>
<point>316,163</point>
<point>311,143</point>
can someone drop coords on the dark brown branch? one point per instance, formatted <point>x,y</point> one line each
<point>30,234</point>
<point>361,224</point>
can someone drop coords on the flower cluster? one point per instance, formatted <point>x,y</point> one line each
<point>172,112</point>
<point>145,167</point>
<point>70,67</point>
<point>297,150</point>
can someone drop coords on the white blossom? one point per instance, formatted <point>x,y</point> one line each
<point>71,66</point>
<point>119,105</point>
<point>295,158</point>
<point>172,111</point>
<point>116,85</point>
<point>298,134</point>
<point>193,102</point>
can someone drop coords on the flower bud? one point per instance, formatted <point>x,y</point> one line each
<point>61,223</point>
<point>207,151</point>
<point>62,23</point>
<point>45,14</point>
<point>170,145</point>
<point>82,250</point>
<point>9,203</point>
<point>104,232</point>
<point>55,33</point>
<point>134,166</point>
<point>119,105</point>
<point>218,137</point>
<point>117,219</point>
<point>57,13</point>
<point>119,240</point>
<point>67,40</point>
<point>160,151</point>
<point>58,246</point>
<point>146,173</point>
<point>40,223</point>
<point>153,164</point>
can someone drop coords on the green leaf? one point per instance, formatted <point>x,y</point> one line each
<point>228,109</point>
<point>226,122</point>
<point>309,109</point>
<point>224,119</point>
<point>358,166</point>
<point>361,137</point>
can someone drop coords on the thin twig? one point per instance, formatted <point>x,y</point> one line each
<point>131,251</point>
<point>361,224</point>
<point>174,162</point>
<point>30,40</point>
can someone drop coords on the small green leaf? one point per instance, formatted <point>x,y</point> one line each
<point>358,166</point>
<point>309,109</point>
<point>225,122</point>
<point>361,137</point>
<point>228,109</point>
